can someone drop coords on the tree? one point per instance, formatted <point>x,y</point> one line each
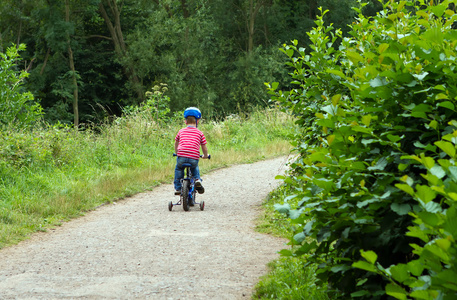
<point>17,107</point>
<point>72,69</point>
<point>113,22</point>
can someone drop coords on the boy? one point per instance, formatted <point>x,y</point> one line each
<point>187,147</point>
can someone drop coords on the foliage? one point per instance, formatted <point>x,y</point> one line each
<point>372,111</point>
<point>199,48</point>
<point>289,279</point>
<point>435,225</point>
<point>156,105</point>
<point>17,107</point>
<point>53,173</point>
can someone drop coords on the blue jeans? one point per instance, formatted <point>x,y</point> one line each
<point>179,170</point>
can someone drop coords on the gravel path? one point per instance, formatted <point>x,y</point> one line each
<point>137,249</point>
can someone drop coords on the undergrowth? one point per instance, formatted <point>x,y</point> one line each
<point>51,174</point>
<point>289,277</point>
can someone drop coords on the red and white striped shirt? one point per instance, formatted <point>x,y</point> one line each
<point>190,138</point>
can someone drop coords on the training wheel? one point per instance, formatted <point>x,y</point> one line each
<point>202,205</point>
<point>170,205</point>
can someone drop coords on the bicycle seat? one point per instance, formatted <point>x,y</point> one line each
<point>186,165</point>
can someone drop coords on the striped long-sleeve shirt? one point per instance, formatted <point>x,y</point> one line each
<point>190,139</point>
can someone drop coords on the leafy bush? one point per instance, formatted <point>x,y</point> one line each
<point>373,111</point>
<point>156,105</point>
<point>17,107</point>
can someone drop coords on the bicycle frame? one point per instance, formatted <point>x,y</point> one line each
<point>188,188</point>
<point>188,192</point>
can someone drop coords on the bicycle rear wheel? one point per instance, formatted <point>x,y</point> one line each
<point>185,195</point>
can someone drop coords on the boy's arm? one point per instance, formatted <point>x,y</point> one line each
<point>205,151</point>
<point>176,147</point>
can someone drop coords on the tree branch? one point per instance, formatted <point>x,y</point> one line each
<point>98,36</point>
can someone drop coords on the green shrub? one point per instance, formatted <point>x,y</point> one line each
<point>383,96</point>
<point>17,107</point>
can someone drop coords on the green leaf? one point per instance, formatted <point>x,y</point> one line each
<point>274,85</point>
<point>441,96</point>
<point>453,172</point>
<point>447,104</point>
<point>400,272</point>
<point>421,77</point>
<point>337,72</point>
<point>364,266</point>
<point>339,268</point>
<point>419,114</point>
<point>429,218</point>
<point>300,237</point>
<point>378,82</point>
<point>421,294</point>
<point>425,193</point>
<point>438,171</point>
<point>383,47</point>
<point>422,108</point>
<point>326,184</point>
<point>415,231</point>
<point>428,162</point>
<point>401,209</point>
<point>437,252</point>
<point>433,124</point>
<point>396,291</point>
<point>394,138</point>
<point>366,202</point>
<point>406,188</point>
<point>285,252</point>
<point>416,267</point>
<point>370,256</point>
<point>447,147</point>
<point>438,10</point>
<point>380,165</point>
<point>447,278</point>
<point>360,293</point>
<point>432,207</point>
<point>362,129</point>
<point>330,109</point>
<point>450,224</point>
<point>354,56</point>
<point>282,208</point>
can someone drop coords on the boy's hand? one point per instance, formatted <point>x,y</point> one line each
<point>205,152</point>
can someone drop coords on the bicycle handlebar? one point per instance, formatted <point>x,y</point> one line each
<point>209,156</point>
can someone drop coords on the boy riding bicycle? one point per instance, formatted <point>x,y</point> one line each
<point>187,148</point>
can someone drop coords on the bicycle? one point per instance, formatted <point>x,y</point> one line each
<point>188,191</point>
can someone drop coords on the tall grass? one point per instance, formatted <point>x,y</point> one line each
<point>289,277</point>
<point>51,174</point>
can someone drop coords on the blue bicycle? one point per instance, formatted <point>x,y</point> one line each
<point>188,191</point>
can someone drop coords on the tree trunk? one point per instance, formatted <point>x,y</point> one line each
<point>250,22</point>
<point>185,9</point>
<point>114,27</point>
<point>312,9</point>
<point>48,52</point>
<point>73,70</point>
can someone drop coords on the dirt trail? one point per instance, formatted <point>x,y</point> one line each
<point>137,249</point>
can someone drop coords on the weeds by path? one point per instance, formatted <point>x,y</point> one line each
<point>289,277</point>
<point>52,174</point>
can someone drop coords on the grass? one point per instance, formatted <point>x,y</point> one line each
<point>50,175</point>
<point>289,277</point>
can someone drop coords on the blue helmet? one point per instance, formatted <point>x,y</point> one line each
<point>192,112</point>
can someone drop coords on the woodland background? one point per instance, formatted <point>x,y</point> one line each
<point>90,59</point>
